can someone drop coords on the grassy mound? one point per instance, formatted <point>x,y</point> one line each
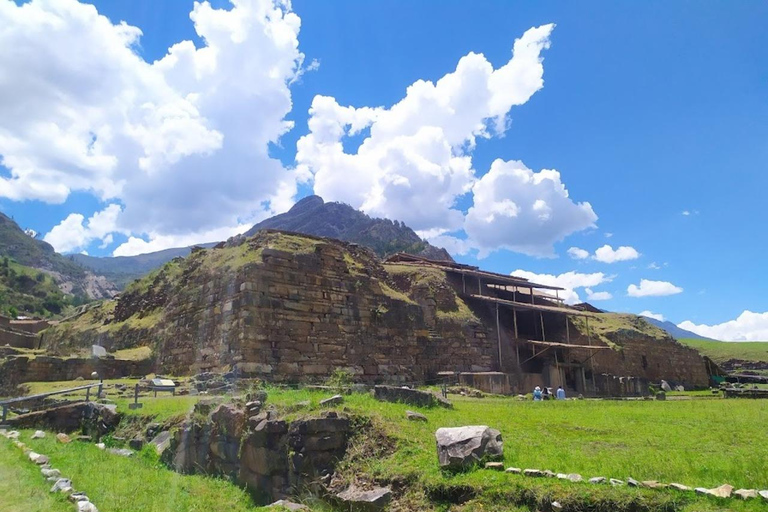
<point>723,351</point>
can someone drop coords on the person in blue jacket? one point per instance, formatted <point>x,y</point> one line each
<point>537,394</point>
<point>560,393</point>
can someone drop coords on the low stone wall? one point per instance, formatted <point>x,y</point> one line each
<point>49,369</point>
<point>18,339</point>
<point>269,456</point>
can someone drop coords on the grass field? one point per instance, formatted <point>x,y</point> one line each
<point>113,483</point>
<point>721,351</point>
<point>694,442</point>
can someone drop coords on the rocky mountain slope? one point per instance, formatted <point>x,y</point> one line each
<point>310,216</point>
<point>71,278</point>
<point>28,292</point>
<point>313,216</point>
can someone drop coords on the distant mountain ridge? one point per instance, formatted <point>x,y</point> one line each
<point>311,215</point>
<point>121,270</point>
<point>675,331</point>
<point>35,254</point>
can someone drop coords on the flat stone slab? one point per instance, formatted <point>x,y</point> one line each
<point>62,485</point>
<point>289,505</point>
<point>359,499</point>
<point>161,441</point>
<point>496,466</point>
<point>415,416</point>
<point>514,471</point>
<point>724,491</point>
<point>746,494</point>
<point>48,473</point>
<point>680,487</point>
<point>533,472</point>
<point>597,480</point>
<point>38,458</point>
<point>39,434</point>
<point>123,452</point>
<point>334,400</point>
<point>86,506</point>
<point>575,477</point>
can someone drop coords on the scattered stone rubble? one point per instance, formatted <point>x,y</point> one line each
<point>724,491</point>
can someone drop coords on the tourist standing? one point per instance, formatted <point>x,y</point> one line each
<point>537,394</point>
<point>560,393</point>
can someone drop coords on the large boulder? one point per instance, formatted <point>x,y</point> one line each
<point>408,396</point>
<point>462,447</point>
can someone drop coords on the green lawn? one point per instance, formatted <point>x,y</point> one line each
<point>22,488</point>
<point>114,483</point>
<point>721,351</point>
<point>696,442</point>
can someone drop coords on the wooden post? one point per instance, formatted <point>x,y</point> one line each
<point>88,395</point>
<point>479,287</point>
<point>591,359</point>
<point>532,301</point>
<point>5,412</point>
<point>464,283</point>
<point>567,332</point>
<point>498,336</point>
<point>543,335</point>
<point>514,321</point>
<point>517,341</point>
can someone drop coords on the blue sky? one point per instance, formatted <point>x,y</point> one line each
<point>647,110</point>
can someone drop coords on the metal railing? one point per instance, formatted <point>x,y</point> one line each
<point>5,404</point>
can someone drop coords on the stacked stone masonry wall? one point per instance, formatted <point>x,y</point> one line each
<point>299,317</point>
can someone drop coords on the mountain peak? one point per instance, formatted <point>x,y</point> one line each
<point>307,203</point>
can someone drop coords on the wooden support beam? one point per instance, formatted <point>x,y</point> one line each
<point>591,361</point>
<point>543,335</point>
<point>567,332</point>
<point>498,337</point>
<point>532,301</point>
<point>517,341</point>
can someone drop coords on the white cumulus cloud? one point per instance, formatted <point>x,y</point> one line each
<point>648,288</point>
<point>415,158</point>
<point>607,254</point>
<point>651,314</point>
<point>578,254</point>
<point>522,210</point>
<point>74,233</point>
<point>181,142</point>
<point>570,281</point>
<point>748,326</point>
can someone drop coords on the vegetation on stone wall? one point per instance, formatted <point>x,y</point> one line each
<point>609,327</point>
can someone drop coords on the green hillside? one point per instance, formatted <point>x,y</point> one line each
<point>723,351</point>
<point>30,292</point>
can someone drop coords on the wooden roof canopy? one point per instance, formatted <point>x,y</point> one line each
<point>469,270</point>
